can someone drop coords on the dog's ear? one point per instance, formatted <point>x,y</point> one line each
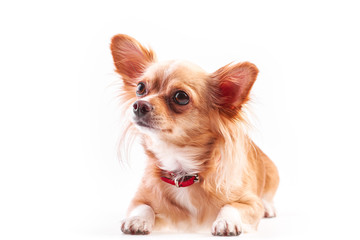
<point>130,57</point>
<point>234,83</point>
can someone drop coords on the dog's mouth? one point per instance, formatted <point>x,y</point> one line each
<point>149,126</point>
<point>144,124</point>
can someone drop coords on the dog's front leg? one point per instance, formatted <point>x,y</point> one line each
<point>140,220</point>
<point>235,218</point>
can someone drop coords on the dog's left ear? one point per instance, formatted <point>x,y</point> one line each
<point>130,57</point>
<point>234,83</point>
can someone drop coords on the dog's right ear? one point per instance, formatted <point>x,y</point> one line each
<point>130,57</point>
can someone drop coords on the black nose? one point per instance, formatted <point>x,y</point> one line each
<point>141,108</point>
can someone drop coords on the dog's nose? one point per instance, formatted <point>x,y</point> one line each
<point>141,108</point>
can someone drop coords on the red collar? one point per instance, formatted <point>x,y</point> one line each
<point>183,181</point>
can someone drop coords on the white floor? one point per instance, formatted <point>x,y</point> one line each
<point>285,226</point>
<point>282,227</point>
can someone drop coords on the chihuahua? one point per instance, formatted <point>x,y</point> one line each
<point>202,167</point>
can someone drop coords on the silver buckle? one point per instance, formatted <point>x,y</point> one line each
<point>176,180</point>
<point>196,180</point>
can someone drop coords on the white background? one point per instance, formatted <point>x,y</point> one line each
<point>59,176</point>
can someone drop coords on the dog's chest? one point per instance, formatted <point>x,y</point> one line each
<point>175,159</point>
<point>183,197</point>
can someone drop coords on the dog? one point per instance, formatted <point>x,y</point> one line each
<point>202,168</point>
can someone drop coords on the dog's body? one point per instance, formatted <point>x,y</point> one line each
<point>193,131</point>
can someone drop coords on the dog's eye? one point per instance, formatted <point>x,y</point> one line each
<point>181,98</point>
<point>140,89</point>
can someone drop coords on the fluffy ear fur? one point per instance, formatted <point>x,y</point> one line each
<point>130,57</point>
<point>234,83</point>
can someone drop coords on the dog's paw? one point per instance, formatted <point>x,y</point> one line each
<point>269,209</point>
<point>228,222</point>
<point>223,227</point>
<point>136,226</point>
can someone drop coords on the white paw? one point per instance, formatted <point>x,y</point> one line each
<point>269,209</point>
<point>140,221</point>
<point>136,225</point>
<point>228,222</point>
<point>223,227</point>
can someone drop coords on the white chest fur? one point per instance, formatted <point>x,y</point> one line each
<point>183,198</point>
<point>181,160</point>
<point>176,159</point>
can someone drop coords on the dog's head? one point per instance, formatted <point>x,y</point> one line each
<point>177,101</point>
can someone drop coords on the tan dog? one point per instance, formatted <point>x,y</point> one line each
<point>202,167</point>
